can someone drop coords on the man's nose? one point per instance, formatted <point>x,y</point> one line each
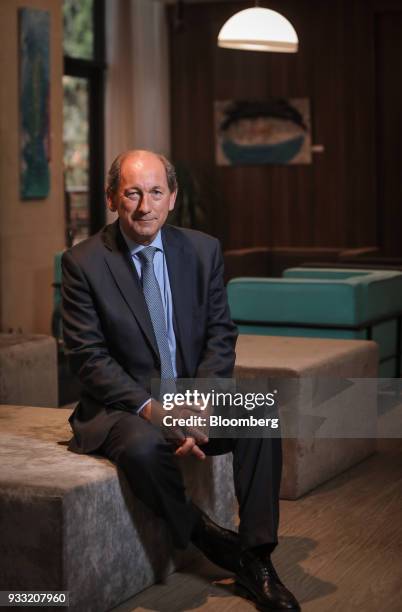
<point>144,203</point>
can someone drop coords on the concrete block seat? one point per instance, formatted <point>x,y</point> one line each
<point>28,370</point>
<point>312,460</point>
<point>69,521</point>
<point>325,303</point>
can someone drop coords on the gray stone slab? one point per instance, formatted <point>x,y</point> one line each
<point>28,370</point>
<point>70,522</point>
<point>310,461</point>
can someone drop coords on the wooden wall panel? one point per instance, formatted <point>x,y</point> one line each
<point>389,130</point>
<point>329,203</point>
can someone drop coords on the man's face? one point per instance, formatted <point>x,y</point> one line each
<point>143,199</point>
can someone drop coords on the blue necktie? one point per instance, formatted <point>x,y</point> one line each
<point>154,302</point>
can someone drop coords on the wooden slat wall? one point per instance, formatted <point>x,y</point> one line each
<point>388,24</point>
<point>332,202</point>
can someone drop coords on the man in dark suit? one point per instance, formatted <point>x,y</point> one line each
<point>144,300</point>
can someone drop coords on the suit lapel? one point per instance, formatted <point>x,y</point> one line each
<point>181,278</point>
<point>120,264</point>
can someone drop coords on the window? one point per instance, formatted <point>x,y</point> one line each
<point>83,116</point>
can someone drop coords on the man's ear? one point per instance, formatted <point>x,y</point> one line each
<point>172,199</point>
<point>112,206</point>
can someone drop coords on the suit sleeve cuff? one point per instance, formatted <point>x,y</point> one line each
<point>143,405</point>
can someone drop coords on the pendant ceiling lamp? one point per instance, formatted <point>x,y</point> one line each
<point>258,29</point>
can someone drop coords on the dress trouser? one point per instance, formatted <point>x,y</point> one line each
<point>153,473</point>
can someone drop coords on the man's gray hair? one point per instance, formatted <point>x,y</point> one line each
<point>113,177</point>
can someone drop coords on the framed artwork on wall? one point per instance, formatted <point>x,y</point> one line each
<point>34,98</point>
<point>274,131</point>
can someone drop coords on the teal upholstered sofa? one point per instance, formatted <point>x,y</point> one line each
<point>325,303</point>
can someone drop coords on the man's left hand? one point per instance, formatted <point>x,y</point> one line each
<point>189,446</point>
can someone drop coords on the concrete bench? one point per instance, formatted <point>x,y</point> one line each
<point>310,461</point>
<point>28,370</point>
<point>69,521</point>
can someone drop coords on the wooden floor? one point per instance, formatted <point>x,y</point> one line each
<point>340,549</point>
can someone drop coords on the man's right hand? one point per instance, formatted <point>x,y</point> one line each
<point>146,411</point>
<point>188,442</point>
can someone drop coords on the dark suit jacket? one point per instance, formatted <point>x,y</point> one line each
<point>108,331</point>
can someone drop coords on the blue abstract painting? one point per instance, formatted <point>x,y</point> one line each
<point>274,131</point>
<point>34,28</point>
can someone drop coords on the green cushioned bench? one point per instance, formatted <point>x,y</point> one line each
<point>326,303</point>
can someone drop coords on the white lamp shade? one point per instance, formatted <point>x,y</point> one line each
<point>258,29</point>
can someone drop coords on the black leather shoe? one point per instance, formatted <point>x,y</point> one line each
<point>219,545</point>
<point>257,576</point>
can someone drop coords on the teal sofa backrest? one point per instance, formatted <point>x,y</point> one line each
<point>334,303</point>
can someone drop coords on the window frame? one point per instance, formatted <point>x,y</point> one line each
<point>93,70</point>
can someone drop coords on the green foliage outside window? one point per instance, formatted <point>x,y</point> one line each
<point>75,131</point>
<point>78,28</point>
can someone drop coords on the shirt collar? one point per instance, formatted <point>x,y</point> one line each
<point>134,247</point>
